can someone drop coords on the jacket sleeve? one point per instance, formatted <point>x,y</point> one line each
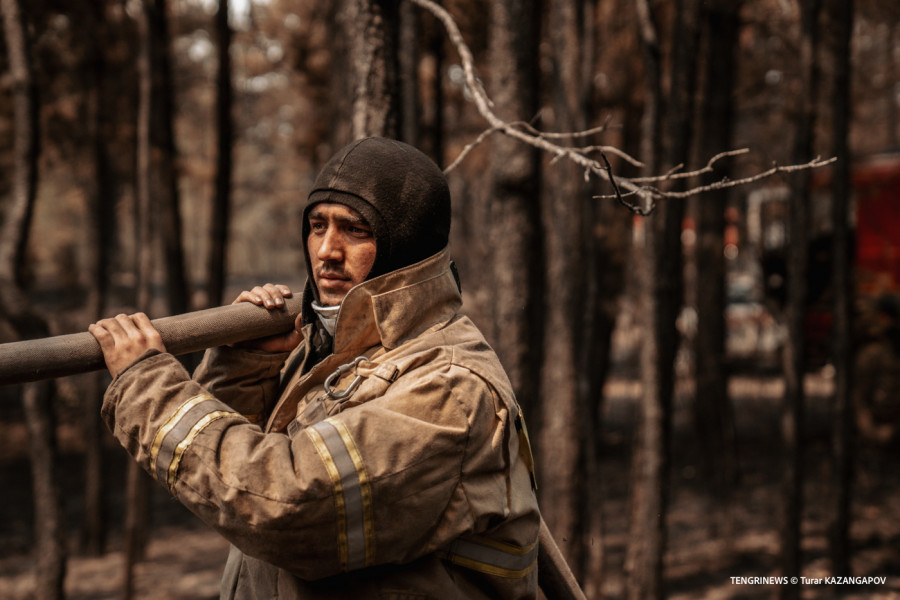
<point>267,494</point>
<point>387,481</point>
<point>246,381</point>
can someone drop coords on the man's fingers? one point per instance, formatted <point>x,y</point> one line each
<point>125,338</point>
<point>127,327</point>
<point>269,295</point>
<point>101,334</point>
<point>148,331</point>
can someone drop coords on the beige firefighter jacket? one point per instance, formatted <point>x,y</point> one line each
<point>410,479</point>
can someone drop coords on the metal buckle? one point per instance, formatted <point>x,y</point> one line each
<point>340,371</point>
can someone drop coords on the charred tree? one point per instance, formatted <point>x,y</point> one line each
<point>643,561</point>
<point>164,155</point>
<point>794,356</point>
<point>661,294</point>
<point>563,208</point>
<point>431,123</point>
<point>712,411</point>
<point>50,549</point>
<point>606,231</point>
<point>102,225</point>
<point>370,34</point>
<point>408,71</point>
<point>136,485</point>
<point>843,430</point>
<point>221,210</point>
<point>512,203</point>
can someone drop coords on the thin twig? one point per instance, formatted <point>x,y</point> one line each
<point>469,147</point>
<point>728,183</point>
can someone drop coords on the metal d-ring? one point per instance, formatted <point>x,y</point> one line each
<point>340,371</point>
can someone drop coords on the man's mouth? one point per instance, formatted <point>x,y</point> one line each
<point>332,276</point>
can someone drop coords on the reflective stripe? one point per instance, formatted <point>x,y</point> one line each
<point>493,558</point>
<point>352,492</point>
<point>179,431</point>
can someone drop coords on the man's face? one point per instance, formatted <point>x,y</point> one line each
<point>341,249</point>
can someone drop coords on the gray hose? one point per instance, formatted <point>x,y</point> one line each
<point>32,360</point>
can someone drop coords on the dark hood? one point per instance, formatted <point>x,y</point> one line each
<point>399,190</point>
<point>396,188</point>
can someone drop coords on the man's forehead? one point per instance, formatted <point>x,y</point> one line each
<point>334,210</point>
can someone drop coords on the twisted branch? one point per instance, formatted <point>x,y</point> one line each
<point>645,189</point>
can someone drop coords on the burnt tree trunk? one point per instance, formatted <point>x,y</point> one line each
<point>643,561</point>
<point>512,205</point>
<point>369,30</point>
<point>712,411</point>
<point>221,209</point>
<point>26,140</point>
<point>408,71</point>
<point>50,549</point>
<point>841,13</point>
<point>136,487</point>
<point>431,123</point>
<point>563,208</point>
<point>794,357</point>
<point>50,534</point>
<point>607,236</point>
<point>102,224</point>
<point>164,155</point>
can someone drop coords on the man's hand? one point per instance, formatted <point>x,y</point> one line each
<point>272,297</point>
<point>124,338</point>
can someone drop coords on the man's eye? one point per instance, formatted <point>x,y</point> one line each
<point>317,226</point>
<point>359,231</point>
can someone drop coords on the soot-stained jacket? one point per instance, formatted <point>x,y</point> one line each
<point>396,467</point>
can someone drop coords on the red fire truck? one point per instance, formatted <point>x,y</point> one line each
<point>875,224</point>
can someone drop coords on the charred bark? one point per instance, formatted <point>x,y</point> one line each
<point>102,224</point>
<point>408,72</point>
<point>50,549</point>
<point>369,30</point>
<point>712,410</point>
<point>643,561</point>
<point>221,211</point>
<point>843,430</point>
<point>563,208</point>
<point>794,355</point>
<point>513,205</point>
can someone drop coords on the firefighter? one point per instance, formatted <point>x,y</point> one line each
<point>375,451</point>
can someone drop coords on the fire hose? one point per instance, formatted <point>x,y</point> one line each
<point>59,356</point>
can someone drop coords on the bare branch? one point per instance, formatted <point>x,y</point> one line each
<point>728,183</point>
<point>638,186</point>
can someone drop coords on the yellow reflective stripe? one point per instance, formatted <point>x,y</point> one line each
<point>352,491</point>
<point>339,506</point>
<point>364,487</point>
<point>492,557</point>
<point>189,438</point>
<point>490,569</point>
<point>170,424</point>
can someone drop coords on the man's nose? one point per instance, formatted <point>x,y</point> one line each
<point>331,248</point>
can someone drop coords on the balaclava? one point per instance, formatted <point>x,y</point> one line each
<point>398,190</point>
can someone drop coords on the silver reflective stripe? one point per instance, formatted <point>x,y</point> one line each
<point>179,431</point>
<point>493,558</point>
<point>352,492</point>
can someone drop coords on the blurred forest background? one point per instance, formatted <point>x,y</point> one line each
<point>708,371</point>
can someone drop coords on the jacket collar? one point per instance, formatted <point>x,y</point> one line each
<point>398,306</point>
